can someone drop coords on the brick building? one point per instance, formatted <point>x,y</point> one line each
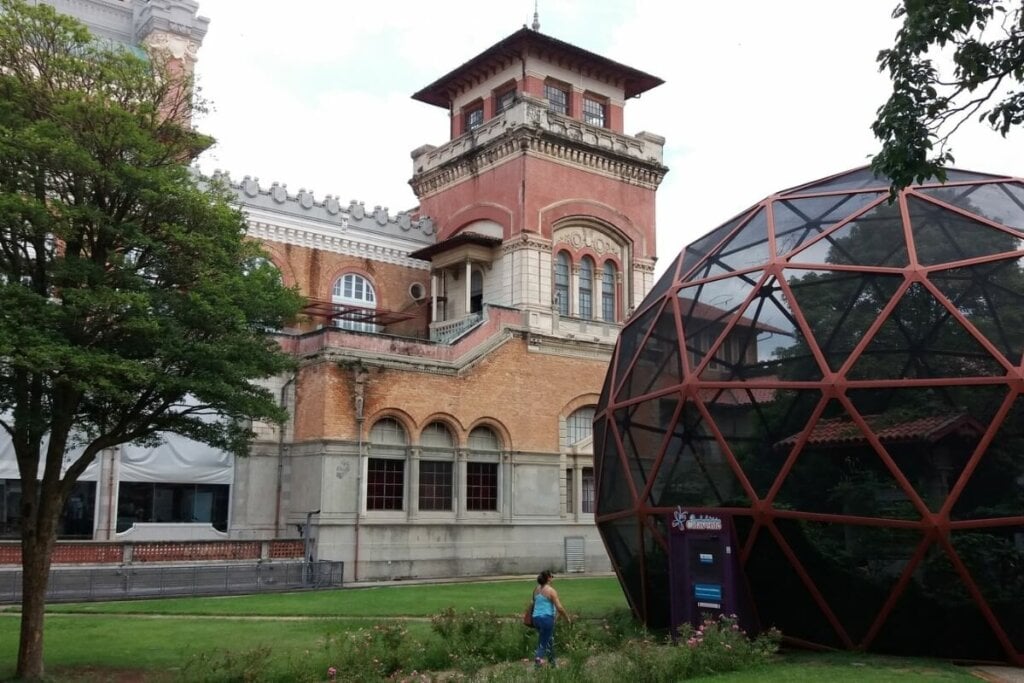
<point>450,356</point>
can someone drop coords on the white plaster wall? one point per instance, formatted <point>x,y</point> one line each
<point>535,490</point>
<point>254,496</point>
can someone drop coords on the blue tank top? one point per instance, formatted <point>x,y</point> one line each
<point>542,606</point>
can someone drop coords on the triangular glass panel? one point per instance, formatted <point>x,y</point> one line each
<point>667,279</point>
<point>764,343</point>
<point>754,421</point>
<point>699,250</point>
<point>643,428</point>
<point>956,175</point>
<point>838,472</point>
<point>658,364</point>
<point>942,236</point>
<point>799,220</point>
<point>922,340</point>
<point>936,616</point>
<point>748,248</point>
<point>991,297</point>
<point>858,179</point>
<point>930,432</point>
<point>707,308</point>
<point>599,445</point>
<point>874,239</point>
<point>994,489</point>
<point>656,567</point>
<point>854,567</point>
<point>695,472</point>
<point>781,597</point>
<point>998,202</point>
<point>994,557</point>
<point>630,338</point>
<point>606,393</point>
<point>840,306</point>
<point>622,540</point>
<point>613,489</point>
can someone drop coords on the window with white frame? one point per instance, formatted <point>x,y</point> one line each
<point>608,278</point>
<point>436,467</point>
<point>579,425</point>
<point>588,490</point>
<point>595,112</point>
<point>385,473</point>
<point>482,470</point>
<point>474,117</point>
<point>562,283</point>
<point>355,301</point>
<point>586,287</point>
<point>558,97</point>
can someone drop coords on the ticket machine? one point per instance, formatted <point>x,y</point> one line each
<point>704,571</point>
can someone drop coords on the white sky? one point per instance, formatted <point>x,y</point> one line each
<point>759,95</point>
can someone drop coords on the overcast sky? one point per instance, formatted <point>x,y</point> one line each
<point>758,96</point>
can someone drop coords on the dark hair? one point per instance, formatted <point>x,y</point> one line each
<point>544,577</point>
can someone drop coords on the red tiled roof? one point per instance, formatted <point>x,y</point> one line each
<point>842,432</point>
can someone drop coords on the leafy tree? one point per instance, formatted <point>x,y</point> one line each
<point>131,303</point>
<point>985,41</point>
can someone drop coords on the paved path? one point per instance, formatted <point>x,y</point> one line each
<point>999,674</point>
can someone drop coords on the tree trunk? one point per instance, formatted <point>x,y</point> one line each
<point>36,550</point>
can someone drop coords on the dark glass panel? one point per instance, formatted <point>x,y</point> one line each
<point>698,250</point>
<point>855,568</point>
<point>936,616</point>
<point>840,306</point>
<point>656,565</point>
<point>642,427</point>
<point>657,365</point>
<point>667,279</point>
<point>782,598</point>
<point>613,492</point>
<point>753,421</point>
<point>707,308</point>
<point>799,220</point>
<point>765,343</point>
<point>630,338</point>
<point>748,248</point>
<point>942,236</point>
<point>994,489</point>
<point>999,202</point>
<point>921,340</point>
<point>991,296</point>
<point>838,472</point>
<point>695,472</point>
<point>954,175</point>
<point>874,239</point>
<point>930,432</point>
<point>622,539</point>
<point>860,179</point>
<point>994,558</point>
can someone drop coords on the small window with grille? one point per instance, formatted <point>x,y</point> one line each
<point>594,112</point>
<point>558,97</point>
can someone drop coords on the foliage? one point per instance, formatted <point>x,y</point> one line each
<point>131,303</point>
<point>984,42</point>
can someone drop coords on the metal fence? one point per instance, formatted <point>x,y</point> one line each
<point>139,581</point>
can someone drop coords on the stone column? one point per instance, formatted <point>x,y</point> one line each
<point>469,288</point>
<point>413,486</point>
<point>433,297</point>
<point>460,483</point>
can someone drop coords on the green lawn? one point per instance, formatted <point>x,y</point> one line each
<point>580,595</point>
<point>94,641</point>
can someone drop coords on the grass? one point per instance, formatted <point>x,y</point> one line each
<point>155,639</point>
<point>581,595</point>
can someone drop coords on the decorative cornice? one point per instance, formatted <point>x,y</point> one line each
<point>643,266</point>
<point>338,244</point>
<point>526,241</point>
<point>530,129</point>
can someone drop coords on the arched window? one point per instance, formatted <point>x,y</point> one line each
<point>562,283</point>
<point>436,467</point>
<point>579,425</point>
<point>482,470</point>
<point>587,287</point>
<point>385,471</point>
<point>608,292</point>
<point>354,290</point>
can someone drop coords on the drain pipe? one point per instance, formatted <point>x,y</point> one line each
<point>358,388</point>
<point>280,458</point>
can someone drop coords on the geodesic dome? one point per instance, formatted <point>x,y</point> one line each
<point>840,375</point>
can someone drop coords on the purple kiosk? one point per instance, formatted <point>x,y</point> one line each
<point>704,571</point>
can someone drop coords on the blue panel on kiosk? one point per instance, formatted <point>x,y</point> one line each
<point>707,591</point>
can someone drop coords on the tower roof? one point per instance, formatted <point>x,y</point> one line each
<point>441,92</point>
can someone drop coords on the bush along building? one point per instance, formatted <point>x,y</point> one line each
<point>450,357</point>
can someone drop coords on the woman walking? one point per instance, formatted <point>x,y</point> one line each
<point>545,605</point>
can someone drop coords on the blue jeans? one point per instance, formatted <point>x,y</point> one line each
<point>546,632</point>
